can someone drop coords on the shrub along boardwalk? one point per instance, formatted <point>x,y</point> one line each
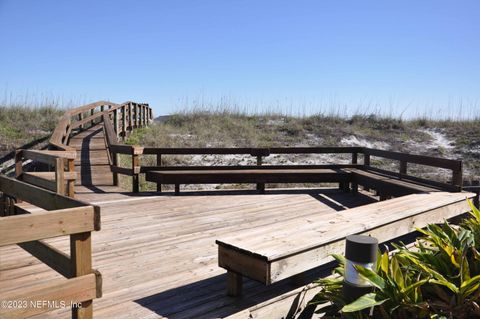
<point>157,253</point>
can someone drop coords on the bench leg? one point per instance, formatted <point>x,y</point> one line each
<point>343,186</point>
<point>177,189</point>
<point>261,188</point>
<point>234,284</point>
<point>384,197</point>
<point>354,188</point>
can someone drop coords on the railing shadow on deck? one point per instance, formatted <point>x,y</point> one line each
<point>208,299</point>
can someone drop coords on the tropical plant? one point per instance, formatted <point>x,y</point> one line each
<point>437,278</point>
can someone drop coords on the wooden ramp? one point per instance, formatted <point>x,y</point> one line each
<point>91,164</point>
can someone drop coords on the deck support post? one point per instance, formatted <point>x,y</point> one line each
<point>354,158</point>
<point>135,179</point>
<point>115,163</point>
<point>177,189</point>
<point>457,178</point>
<point>92,122</point>
<point>403,167</point>
<point>60,176</point>
<point>81,257</point>
<point>124,119</point>
<point>115,122</point>
<point>159,163</point>
<point>71,182</point>
<point>354,187</point>
<point>234,284</point>
<point>366,162</point>
<point>18,164</point>
<point>80,117</point>
<point>260,186</point>
<point>129,117</point>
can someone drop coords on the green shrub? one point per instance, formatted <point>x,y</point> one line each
<point>438,278</point>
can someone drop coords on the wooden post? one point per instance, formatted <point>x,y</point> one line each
<point>135,180</point>
<point>457,178</point>
<point>60,176</point>
<point>146,115</point>
<point>366,162</point>
<point>133,117</point>
<point>366,159</point>
<point>234,284</point>
<point>354,158</point>
<point>177,189</point>
<point>18,164</point>
<point>260,186</point>
<point>159,163</point>
<point>403,167</point>
<point>124,119</point>
<point>81,258</point>
<point>92,122</point>
<point>130,116</point>
<point>115,164</point>
<point>115,122</point>
<point>80,117</point>
<point>71,182</point>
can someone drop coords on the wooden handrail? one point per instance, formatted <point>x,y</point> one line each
<point>135,114</point>
<point>63,216</point>
<point>454,165</point>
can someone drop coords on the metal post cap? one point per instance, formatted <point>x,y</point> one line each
<point>361,249</point>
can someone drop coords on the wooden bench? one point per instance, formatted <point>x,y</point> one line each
<point>272,253</point>
<point>388,185</point>
<point>259,175</point>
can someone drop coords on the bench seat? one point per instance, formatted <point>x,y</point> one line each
<point>388,185</point>
<point>257,175</point>
<point>270,254</point>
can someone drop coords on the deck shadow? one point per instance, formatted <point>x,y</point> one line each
<point>207,298</point>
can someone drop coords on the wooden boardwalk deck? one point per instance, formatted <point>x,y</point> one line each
<point>157,254</point>
<point>91,164</point>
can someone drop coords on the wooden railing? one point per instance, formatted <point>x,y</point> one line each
<point>125,117</point>
<point>455,166</point>
<point>64,216</point>
<point>60,181</point>
<point>260,153</point>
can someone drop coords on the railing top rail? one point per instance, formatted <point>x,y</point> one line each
<point>37,196</point>
<point>256,151</point>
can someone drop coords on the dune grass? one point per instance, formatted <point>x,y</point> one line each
<point>20,124</point>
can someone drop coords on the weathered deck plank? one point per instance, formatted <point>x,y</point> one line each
<point>157,254</point>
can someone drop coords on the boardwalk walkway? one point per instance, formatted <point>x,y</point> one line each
<point>91,164</point>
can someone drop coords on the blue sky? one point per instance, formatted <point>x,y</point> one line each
<point>405,57</point>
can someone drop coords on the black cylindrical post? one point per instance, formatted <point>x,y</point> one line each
<point>359,250</point>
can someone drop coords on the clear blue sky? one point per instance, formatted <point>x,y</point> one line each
<point>300,55</point>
